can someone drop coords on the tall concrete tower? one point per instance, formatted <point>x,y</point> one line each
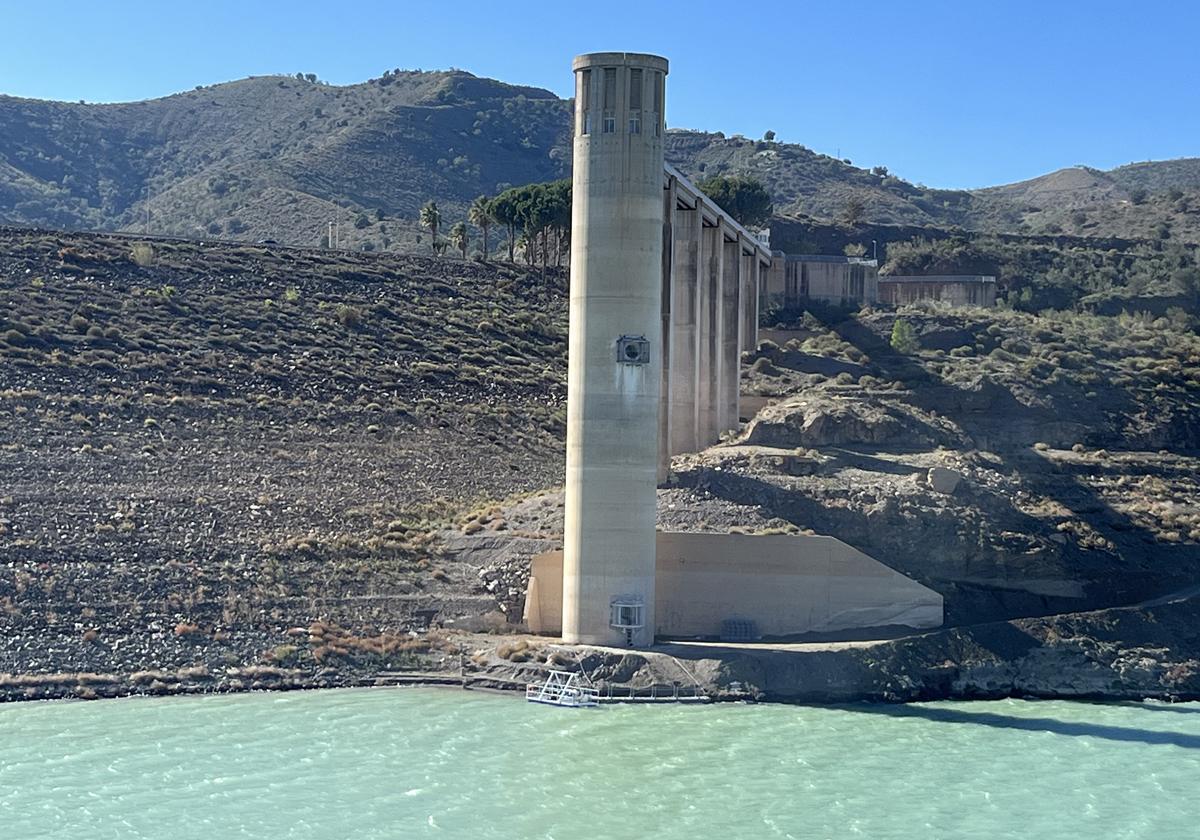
<point>614,365</point>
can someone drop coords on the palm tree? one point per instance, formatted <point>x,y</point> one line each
<point>480,215</point>
<point>431,218</point>
<point>460,238</point>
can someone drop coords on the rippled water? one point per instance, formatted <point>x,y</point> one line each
<point>450,764</point>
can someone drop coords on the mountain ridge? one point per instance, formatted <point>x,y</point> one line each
<point>282,157</point>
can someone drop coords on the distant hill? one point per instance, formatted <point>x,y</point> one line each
<point>1151,200</point>
<point>279,157</point>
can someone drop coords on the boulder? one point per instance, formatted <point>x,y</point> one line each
<point>943,479</point>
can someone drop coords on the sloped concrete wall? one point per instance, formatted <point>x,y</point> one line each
<point>786,584</point>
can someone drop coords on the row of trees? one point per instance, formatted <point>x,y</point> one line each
<point>537,217</point>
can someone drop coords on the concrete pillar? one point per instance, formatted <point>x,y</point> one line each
<point>711,328</point>
<point>727,393</point>
<point>756,283</point>
<point>686,276</point>
<point>614,349</point>
<point>668,351</point>
<point>747,334</point>
<point>755,300</point>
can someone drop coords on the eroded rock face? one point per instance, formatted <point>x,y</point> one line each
<point>815,420</point>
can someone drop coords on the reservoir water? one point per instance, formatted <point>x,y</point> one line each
<point>450,764</point>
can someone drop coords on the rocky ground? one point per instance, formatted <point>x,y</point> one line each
<point>202,452</point>
<point>227,467</point>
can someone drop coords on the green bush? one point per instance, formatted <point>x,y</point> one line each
<point>904,339</point>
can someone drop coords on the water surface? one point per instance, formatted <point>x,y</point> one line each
<point>450,764</point>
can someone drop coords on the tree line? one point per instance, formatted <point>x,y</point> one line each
<point>535,217</point>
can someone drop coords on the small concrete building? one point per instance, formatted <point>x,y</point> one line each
<point>841,281</point>
<point>951,289</point>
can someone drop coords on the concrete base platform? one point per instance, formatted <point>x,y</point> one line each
<point>786,585</point>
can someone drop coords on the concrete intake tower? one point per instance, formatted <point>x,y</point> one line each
<point>615,364</point>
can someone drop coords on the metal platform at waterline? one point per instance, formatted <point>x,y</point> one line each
<point>562,688</point>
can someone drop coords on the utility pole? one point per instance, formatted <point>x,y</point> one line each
<point>329,236</point>
<point>875,250</point>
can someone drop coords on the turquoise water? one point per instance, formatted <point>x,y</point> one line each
<point>451,764</point>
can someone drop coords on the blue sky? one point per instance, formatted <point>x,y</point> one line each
<point>950,94</point>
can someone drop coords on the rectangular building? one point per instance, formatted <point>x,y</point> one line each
<point>951,289</point>
<point>840,281</point>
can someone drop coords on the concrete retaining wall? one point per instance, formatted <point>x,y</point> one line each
<point>786,584</point>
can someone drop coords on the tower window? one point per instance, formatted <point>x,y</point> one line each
<point>584,97</point>
<point>635,101</point>
<point>657,114</point>
<point>610,100</point>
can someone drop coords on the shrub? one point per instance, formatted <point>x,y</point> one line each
<point>283,654</point>
<point>347,315</point>
<point>142,254</point>
<point>904,339</point>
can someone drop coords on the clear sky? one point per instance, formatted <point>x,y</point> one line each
<point>951,94</point>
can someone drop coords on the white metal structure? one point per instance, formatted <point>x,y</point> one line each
<point>562,689</point>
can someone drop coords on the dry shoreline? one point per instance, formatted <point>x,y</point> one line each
<point>1143,652</point>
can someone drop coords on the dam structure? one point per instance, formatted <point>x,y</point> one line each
<point>614,370</point>
<point>665,294</point>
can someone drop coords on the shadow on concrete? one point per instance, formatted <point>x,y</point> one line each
<point>1039,724</point>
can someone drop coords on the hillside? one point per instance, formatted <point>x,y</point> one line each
<point>280,157</point>
<point>237,439</point>
<point>1156,200</point>
<point>230,465</point>
<point>277,157</point>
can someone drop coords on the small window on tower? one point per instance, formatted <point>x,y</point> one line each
<point>657,116</point>
<point>610,100</point>
<point>635,101</point>
<point>584,97</point>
